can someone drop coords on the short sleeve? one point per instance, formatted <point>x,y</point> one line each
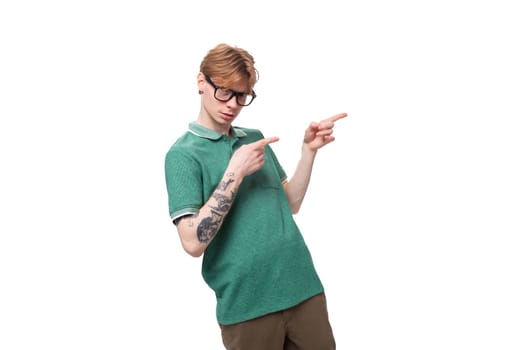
<point>183,183</point>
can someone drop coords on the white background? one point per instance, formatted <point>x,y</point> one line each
<point>414,216</point>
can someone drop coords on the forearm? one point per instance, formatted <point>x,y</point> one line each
<point>198,230</point>
<point>298,184</point>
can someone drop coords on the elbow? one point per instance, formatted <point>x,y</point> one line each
<point>193,249</point>
<point>294,202</point>
<point>195,254</point>
<point>295,208</point>
<point>295,205</point>
<point>189,242</point>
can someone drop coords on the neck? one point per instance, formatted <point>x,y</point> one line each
<point>206,121</point>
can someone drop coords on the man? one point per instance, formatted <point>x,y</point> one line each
<point>230,200</point>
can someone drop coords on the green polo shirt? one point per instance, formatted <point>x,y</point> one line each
<point>258,262</point>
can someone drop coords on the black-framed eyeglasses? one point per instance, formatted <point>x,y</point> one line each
<point>224,95</point>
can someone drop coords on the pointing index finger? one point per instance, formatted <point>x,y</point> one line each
<point>337,117</point>
<point>267,141</point>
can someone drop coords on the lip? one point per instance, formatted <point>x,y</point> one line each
<point>227,117</point>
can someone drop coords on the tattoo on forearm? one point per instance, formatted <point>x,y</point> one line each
<point>223,202</point>
<point>209,226</point>
<point>224,184</point>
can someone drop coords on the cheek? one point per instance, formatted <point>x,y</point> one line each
<point>208,99</point>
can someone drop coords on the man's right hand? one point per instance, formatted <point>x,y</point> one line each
<point>250,157</point>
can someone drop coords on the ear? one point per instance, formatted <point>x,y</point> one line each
<point>201,81</point>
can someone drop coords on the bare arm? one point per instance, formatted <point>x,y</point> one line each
<point>197,231</point>
<point>316,136</point>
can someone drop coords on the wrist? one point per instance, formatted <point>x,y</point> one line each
<point>233,175</point>
<point>307,151</point>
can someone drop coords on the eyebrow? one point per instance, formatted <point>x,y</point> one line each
<point>235,91</point>
<point>208,79</point>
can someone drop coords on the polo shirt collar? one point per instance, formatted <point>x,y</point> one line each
<point>206,133</point>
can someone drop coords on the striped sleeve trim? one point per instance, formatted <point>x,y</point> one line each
<point>183,212</point>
